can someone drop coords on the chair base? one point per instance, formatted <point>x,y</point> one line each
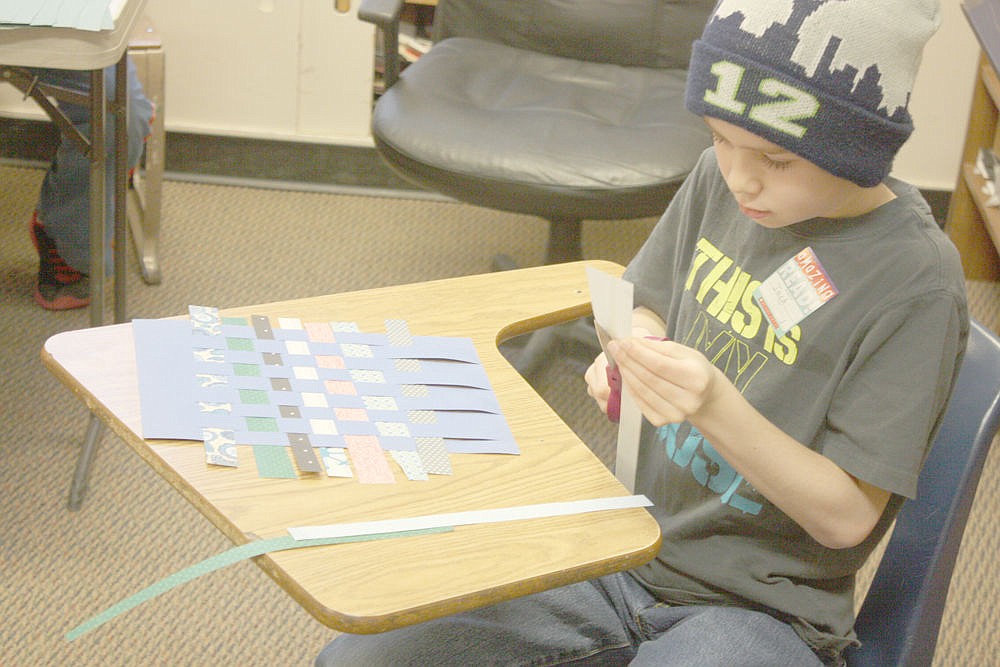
<point>544,344</point>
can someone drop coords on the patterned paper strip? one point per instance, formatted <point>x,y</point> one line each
<point>205,320</point>
<point>262,327</point>
<point>434,456</point>
<point>370,464</point>
<point>302,450</point>
<point>398,333</point>
<point>319,332</point>
<point>407,365</point>
<point>335,462</point>
<point>410,463</point>
<point>220,447</point>
<point>273,462</point>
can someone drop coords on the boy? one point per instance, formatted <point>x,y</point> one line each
<point>817,318</point>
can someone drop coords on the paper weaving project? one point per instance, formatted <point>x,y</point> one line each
<point>321,398</point>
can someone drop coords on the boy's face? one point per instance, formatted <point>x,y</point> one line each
<point>776,188</point>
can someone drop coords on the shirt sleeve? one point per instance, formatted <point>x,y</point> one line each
<point>891,400</point>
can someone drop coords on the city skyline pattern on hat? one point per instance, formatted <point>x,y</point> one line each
<point>829,80</point>
<point>826,43</point>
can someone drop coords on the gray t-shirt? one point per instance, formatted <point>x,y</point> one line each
<point>863,379</point>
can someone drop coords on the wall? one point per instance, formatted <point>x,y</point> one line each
<point>940,104</point>
<point>300,70</point>
<point>267,68</point>
<point>277,69</point>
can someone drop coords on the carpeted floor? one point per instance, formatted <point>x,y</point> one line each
<point>229,246</point>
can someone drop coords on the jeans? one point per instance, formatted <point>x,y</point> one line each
<point>608,621</point>
<point>64,202</point>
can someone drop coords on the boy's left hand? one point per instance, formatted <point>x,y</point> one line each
<point>670,382</point>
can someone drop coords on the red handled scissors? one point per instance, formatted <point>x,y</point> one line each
<point>613,374</point>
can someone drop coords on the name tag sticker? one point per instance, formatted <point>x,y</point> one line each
<point>796,289</point>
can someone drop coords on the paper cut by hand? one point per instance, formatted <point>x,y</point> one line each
<point>322,392</point>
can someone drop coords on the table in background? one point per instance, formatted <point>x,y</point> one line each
<point>376,586</point>
<point>71,49</point>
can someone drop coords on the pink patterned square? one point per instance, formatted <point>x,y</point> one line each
<point>368,459</point>
<point>351,414</point>
<point>340,387</point>
<point>319,332</point>
<point>329,361</point>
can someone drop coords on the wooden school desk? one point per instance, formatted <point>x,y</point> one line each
<point>376,586</point>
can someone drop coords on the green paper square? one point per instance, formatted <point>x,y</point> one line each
<point>262,424</point>
<point>240,344</point>
<point>253,396</point>
<point>246,370</point>
<point>273,462</point>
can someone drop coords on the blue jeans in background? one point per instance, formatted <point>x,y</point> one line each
<point>64,202</point>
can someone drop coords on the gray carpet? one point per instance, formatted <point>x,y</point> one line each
<point>229,246</point>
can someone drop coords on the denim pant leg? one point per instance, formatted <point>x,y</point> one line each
<point>719,637</point>
<point>64,201</point>
<point>581,624</point>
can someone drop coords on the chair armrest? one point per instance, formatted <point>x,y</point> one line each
<point>385,15</point>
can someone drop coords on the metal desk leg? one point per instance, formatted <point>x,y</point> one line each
<point>119,108</point>
<point>80,476</point>
<point>97,184</point>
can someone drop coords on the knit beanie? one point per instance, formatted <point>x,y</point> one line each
<point>828,80</point>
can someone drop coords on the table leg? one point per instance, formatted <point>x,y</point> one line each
<point>120,109</point>
<point>97,185</point>
<point>82,473</point>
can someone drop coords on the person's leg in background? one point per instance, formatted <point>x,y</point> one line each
<point>60,228</point>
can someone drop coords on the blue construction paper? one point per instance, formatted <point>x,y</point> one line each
<point>166,379</point>
<point>254,388</point>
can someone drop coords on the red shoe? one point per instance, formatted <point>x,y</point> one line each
<point>60,286</point>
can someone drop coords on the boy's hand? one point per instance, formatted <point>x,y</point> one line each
<point>596,378</point>
<point>670,382</point>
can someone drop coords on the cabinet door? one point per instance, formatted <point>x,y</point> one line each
<point>335,76</point>
<point>283,69</point>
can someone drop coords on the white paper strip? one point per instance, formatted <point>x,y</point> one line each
<point>612,299</point>
<point>468,518</point>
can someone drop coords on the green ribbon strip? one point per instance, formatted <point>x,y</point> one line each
<point>219,561</point>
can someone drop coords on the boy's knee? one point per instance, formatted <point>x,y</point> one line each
<point>717,636</point>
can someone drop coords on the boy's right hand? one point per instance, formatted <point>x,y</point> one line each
<point>596,378</point>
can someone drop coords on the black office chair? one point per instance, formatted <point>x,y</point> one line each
<point>899,620</point>
<point>569,111</point>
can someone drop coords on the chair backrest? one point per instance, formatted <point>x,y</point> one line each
<point>648,33</point>
<point>899,620</point>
